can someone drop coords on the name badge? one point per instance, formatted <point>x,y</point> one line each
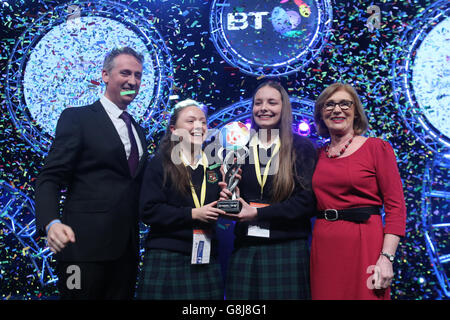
<point>201,247</point>
<point>261,229</point>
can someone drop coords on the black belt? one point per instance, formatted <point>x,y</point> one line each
<point>353,214</point>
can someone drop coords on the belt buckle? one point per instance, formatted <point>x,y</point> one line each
<point>332,211</point>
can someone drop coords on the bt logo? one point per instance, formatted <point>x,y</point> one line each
<point>239,20</point>
<point>283,20</point>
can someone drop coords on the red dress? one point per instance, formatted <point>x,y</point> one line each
<point>342,252</point>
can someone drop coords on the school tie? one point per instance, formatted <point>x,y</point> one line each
<point>133,159</point>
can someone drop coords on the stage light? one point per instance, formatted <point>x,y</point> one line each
<point>248,124</point>
<point>302,111</point>
<point>304,129</point>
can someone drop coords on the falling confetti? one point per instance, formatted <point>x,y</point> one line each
<point>352,54</point>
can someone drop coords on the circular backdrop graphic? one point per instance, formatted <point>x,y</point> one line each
<point>64,69</point>
<point>421,73</point>
<point>269,38</point>
<point>57,63</point>
<point>431,77</point>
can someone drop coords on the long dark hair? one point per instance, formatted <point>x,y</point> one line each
<point>178,174</point>
<point>283,182</point>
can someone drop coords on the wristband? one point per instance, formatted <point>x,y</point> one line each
<point>51,223</point>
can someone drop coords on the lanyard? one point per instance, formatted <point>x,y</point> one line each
<point>203,190</point>
<point>263,181</point>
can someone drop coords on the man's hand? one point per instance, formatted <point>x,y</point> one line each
<point>58,236</point>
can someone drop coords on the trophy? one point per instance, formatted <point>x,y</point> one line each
<point>233,138</point>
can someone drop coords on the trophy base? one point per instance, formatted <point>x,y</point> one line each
<point>229,206</point>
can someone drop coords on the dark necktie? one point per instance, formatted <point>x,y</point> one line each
<point>133,159</point>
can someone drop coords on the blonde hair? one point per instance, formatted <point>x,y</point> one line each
<point>360,123</point>
<point>188,103</point>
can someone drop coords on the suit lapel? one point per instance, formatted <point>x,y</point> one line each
<point>107,126</point>
<point>110,133</point>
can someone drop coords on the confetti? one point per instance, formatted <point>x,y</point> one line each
<point>123,93</point>
<point>351,54</point>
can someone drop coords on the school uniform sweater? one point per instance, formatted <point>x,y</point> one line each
<point>288,219</point>
<point>168,213</point>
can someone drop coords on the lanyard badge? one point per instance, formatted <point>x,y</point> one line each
<point>201,244</point>
<point>201,247</point>
<point>198,203</point>
<point>262,181</point>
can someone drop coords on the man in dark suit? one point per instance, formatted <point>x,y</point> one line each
<point>98,155</point>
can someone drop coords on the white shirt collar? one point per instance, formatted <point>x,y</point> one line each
<point>110,107</point>
<point>256,141</point>
<point>195,166</point>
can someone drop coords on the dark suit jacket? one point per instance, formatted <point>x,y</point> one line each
<point>101,206</point>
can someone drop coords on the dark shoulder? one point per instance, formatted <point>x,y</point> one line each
<point>155,165</point>
<point>69,119</point>
<point>81,111</point>
<point>306,154</point>
<point>303,144</point>
<point>70,112</point>
<point>156,159</point>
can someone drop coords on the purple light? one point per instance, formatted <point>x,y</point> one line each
<point>248,124</point>
<point>303,128</point>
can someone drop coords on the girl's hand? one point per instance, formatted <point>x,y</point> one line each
<point>247,213</point>
<point>207,213</point>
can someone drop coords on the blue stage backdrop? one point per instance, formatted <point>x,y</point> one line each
<point>395,53</point>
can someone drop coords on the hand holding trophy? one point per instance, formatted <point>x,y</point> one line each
<point>233,138</point>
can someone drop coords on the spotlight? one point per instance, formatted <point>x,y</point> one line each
<point>248,124</point>
<point>303,128</point>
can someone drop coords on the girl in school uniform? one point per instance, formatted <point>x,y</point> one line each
<point>271,256</point>
<point>178,199</point>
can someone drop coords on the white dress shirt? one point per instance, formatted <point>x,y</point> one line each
<point>114,113</point>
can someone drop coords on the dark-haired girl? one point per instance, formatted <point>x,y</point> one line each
<point>271,256</point>
<point>178,201</point>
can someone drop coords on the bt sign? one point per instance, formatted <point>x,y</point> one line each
<point>269,37</point>
<point>240,20</point>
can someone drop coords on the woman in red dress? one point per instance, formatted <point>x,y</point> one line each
<point>352,252</point>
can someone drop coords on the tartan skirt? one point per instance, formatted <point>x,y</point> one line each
<point>168,275</point>
<point>269,272</point>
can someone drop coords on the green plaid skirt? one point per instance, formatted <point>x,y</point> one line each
<point>168,275</point>
<point>269,272</point>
